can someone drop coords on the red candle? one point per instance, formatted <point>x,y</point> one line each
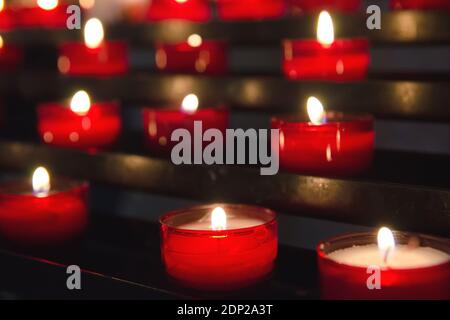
<point>250,9</point>
<point>95,57</point>
<point>193,56</point>
<point>190,10</point>
<point>34,214</point>
<point>420,4</point>
<point>160,123</point>
<point>83,125</point>
<point>301,6</point>
<point>417,267</point>
<point>219,247</point>
<point>331,143</point>
<point>7,17</point>
<point>10,56</point>
<point>46,14</point>
<point>326,58</point>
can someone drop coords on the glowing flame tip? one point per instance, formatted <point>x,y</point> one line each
<point>190,103</point>
<point>218,219</point>
<point>93,33</point>
<point>41,182</point>
<point>315,110</point>
<point>325,29</point>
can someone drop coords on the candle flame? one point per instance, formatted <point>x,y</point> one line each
<point>218,219</point>
<point>41,182</point>
<point>315,110</point>
<point>386,243</point>
<point>93,33</point>
<point>80,103</point>
<point>195,40</point>
<point>47,4</point>
<point>1,42</point>
<point>2,5</point>
<point>190,103</point>
<point>325,29</point>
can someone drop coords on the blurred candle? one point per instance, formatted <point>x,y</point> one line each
<point>420,4</point>
<point>7,17</point>
<point>250,9</point>
<point>45,212</point>
<point>94,57</point>
<point>44,14</point>
<point>308,6</point>
<point>328,143</point>
<point>326,58</point>
<point>10,56</point>
<point>82,126</point>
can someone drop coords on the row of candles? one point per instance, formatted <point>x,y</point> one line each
<point>53,13</point>
<point>324,58</point>
<point>226,247</point>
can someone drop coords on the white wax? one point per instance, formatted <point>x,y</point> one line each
<point>403,257</point>
<point>233,222</point>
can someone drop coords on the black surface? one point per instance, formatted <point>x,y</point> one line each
<point>400,27</point>
<point>400,99</point>
<point>397,191</point>
<point>121,259</point>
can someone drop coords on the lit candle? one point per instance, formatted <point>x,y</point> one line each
<point>94,57</point>
<point>195,55</point>
<point>10,56</point>
<point>43,14</point>
<point>326,58</point>
<point>159,123</point>
<point>7,17</point>
<point>414,268</point>
<point>308,6</point>
<point>43,212</point>
<point>250,9</point>
<point>190,10</point>
<point>420,4</point>
<point>81,125</point>
<point>325,142</point>
<point>219,247</point>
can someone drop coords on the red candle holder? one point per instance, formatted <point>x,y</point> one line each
<point>36,17</point>
<point>76,59</point>
<point>199,257</point>
<point>29,220</point>
<point>420,4</point>
<point>7,19</point>
<point>250,9</point>
<point>10,57</point>
<point>209,57</point>
<point>308,6</point>
<point>58,125</point>
<point>343,60</point>
<point>340,147</point>
<point>343,281</point>
<point>160,123</point>
<point>190,10</point>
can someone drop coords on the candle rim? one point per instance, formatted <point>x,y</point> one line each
<point>334,119</point>
<point>399,236</point>
<point>172,109</point>
<point>272,217</point>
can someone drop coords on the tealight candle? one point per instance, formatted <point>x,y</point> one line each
<point>330,143</point>
<point>43,213</point>
<point>418,267</point>
<point>420,4</point>
<point>193,56</point>
<point>83,125</point>
<point>326,58</point>
<point>219,247</point>
<point>10,56</point>
<point>190,10</point>
<point>250,9</point>
<point>307,6</point>
<point>94,57</point>
<point>45,14</point>
<point>7,17</point>
<point>160,123</point>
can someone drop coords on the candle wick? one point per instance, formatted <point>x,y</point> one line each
<point>386,254</point>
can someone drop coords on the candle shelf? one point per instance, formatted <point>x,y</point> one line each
<point>421,99</point>
<point>112,239</point>
<point>416,201</point>
<point>403,27</point>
